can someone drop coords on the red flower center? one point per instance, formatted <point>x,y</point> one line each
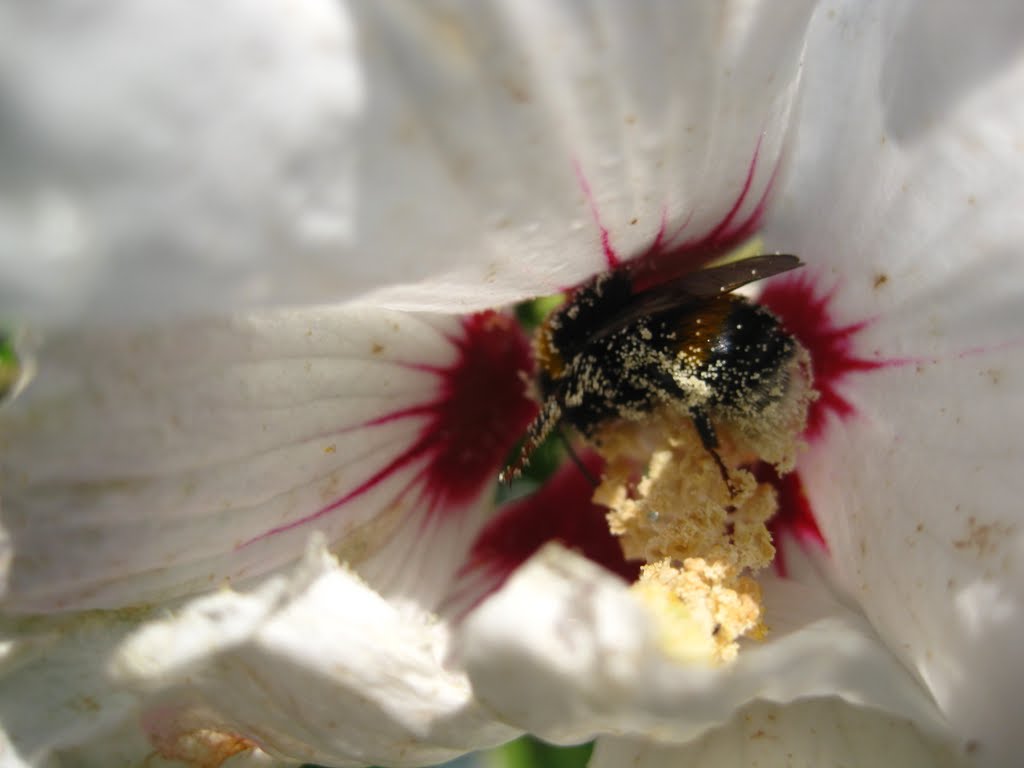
<point>477,413</point>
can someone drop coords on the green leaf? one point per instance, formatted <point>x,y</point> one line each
<point>529,752</point>
<point>532,313</point>
<point>10,366</point>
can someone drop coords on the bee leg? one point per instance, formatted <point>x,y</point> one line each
<point>548,418</point>
<point>575,458</point>
<point>708,438</point>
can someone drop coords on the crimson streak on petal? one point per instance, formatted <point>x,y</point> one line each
<point>794,516</point>
<point>667,257</point>
<point>803,307</point>
<point>474,418</point>
<point>483,409</point>
<point>561,511</point>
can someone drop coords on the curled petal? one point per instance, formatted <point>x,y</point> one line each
<point>588,662</point>
<point>909,216</point>
<point>139,466</point>
<point>804,734</point>
<point>54,691</point>
<point>317,667</point>
<point>180,156</point>
<point>309,666</point>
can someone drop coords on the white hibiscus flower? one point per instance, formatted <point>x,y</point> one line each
<point>245,522</point>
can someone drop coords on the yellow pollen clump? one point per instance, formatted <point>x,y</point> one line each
<point>700,608</point>
<point>702,537</point>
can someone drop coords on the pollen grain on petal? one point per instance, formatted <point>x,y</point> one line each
<point>198,747</point>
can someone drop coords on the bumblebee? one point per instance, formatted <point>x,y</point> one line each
<point>612,352</point>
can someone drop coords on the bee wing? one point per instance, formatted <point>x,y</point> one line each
<point>697,286</point>
<point>725,278</point>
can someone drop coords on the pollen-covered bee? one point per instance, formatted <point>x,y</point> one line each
<point>611,352</point>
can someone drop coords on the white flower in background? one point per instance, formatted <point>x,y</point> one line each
<point>191,460</point>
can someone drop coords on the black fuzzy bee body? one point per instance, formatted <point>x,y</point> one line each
<point>612,353</point>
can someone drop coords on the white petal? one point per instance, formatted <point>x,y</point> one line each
<point>313,667</point>
<point>565,651</point>
<point>140,466</point>
<point>318,667</point>
<point>127,746</point>
<point>166,155</point>
<point>634,120</point>
<point>805,734</point>
<point>54,691</point>
<point>907,188</point>
<point>181,156</point>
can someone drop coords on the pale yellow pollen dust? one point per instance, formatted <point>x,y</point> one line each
<point>700,608</point>
<point>703,538</point>
<point>201,748</point>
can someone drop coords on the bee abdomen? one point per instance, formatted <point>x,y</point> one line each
<point>748,358</point>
